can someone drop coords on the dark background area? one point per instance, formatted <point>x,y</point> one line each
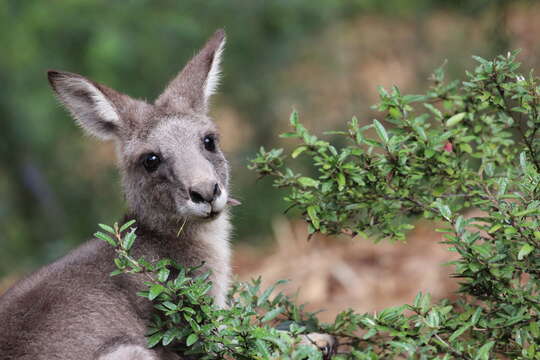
<point>324,58</point>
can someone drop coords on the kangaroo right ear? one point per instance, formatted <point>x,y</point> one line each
<point>198,81</point>
<point>91,104</point>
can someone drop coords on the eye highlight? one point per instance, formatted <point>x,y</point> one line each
<point>151,162</point>
<point>209,142</point>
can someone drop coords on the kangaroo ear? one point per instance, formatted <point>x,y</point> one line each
<point>198,81</point>
<point>93,106</point>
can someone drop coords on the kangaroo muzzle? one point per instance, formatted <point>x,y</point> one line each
<point>204,192</point>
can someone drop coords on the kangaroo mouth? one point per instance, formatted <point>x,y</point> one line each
<point>213,214</point>
<point>203,210</point>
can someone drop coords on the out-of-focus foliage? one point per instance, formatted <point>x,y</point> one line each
<point>471,144</point>
<point>55,184</point>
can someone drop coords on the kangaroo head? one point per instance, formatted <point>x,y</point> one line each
<point>168,152</point>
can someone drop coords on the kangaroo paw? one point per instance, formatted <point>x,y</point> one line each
<point>327,344</point>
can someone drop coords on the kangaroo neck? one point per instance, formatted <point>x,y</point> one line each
<point>192,244</point>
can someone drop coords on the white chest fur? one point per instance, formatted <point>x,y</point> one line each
<point>213,241</point>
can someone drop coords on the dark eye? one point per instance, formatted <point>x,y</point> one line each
<point>210,143</point>
<point>151,162</point>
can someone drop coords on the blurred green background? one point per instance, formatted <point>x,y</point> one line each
<point>322,57</point>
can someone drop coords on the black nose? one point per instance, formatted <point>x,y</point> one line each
<point>204,192</point>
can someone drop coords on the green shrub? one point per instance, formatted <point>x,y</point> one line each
<point>462,145</point>
<point>186,320</point>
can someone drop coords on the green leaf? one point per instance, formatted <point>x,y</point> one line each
<point>433,318</point>
<point>434,110</point>
<point>298,151</point>
<point>527,212</point>
<point>414,98</point>
<point>105,238</point>
<point>120,263</point>
<point>155,291</point>
<point>425,303</point>
<point>170,335</point>
<point>341,181</point>
<point>483,352</point>
<point>107,228</point>
<point>525,250</point>
<point>421,132</point>
<point>459,332</point>
<point>266,294</point>
<point>169,305</point>
<point>444,210</point>
<point>154,339</point>
<point>484,250</point>
<point>466,148</point>
<point>535,329</point>
<point>417,300</point>
<point>192,339</point>
<point>395,113</point>
<point>312,213</point>
<point>455,119</point>
<point>480,60</point>
<point>285,136</point>
<point>308,182</point>
<point>271,315</point>
<point>476,316</point>
<point>116,272</point>
<point>381,131</point>
<point>263,349</point>
<point>523,161</point>
<point>127,225</point>
<point>293,119</point>
<point>129,239</point>
<point>163,274</point>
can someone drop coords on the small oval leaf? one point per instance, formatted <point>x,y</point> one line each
<point>455,119</point>
<point>192,339</point>
<point>381,131</point>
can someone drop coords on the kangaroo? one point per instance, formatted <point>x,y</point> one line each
<point>173,175</point>
<point>173,171</point>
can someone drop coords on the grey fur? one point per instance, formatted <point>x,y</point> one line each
<point>73,309</point>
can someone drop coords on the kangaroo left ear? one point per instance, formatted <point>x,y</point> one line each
<point>192,88</point>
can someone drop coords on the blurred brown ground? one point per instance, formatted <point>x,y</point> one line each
<point>336,274</point>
